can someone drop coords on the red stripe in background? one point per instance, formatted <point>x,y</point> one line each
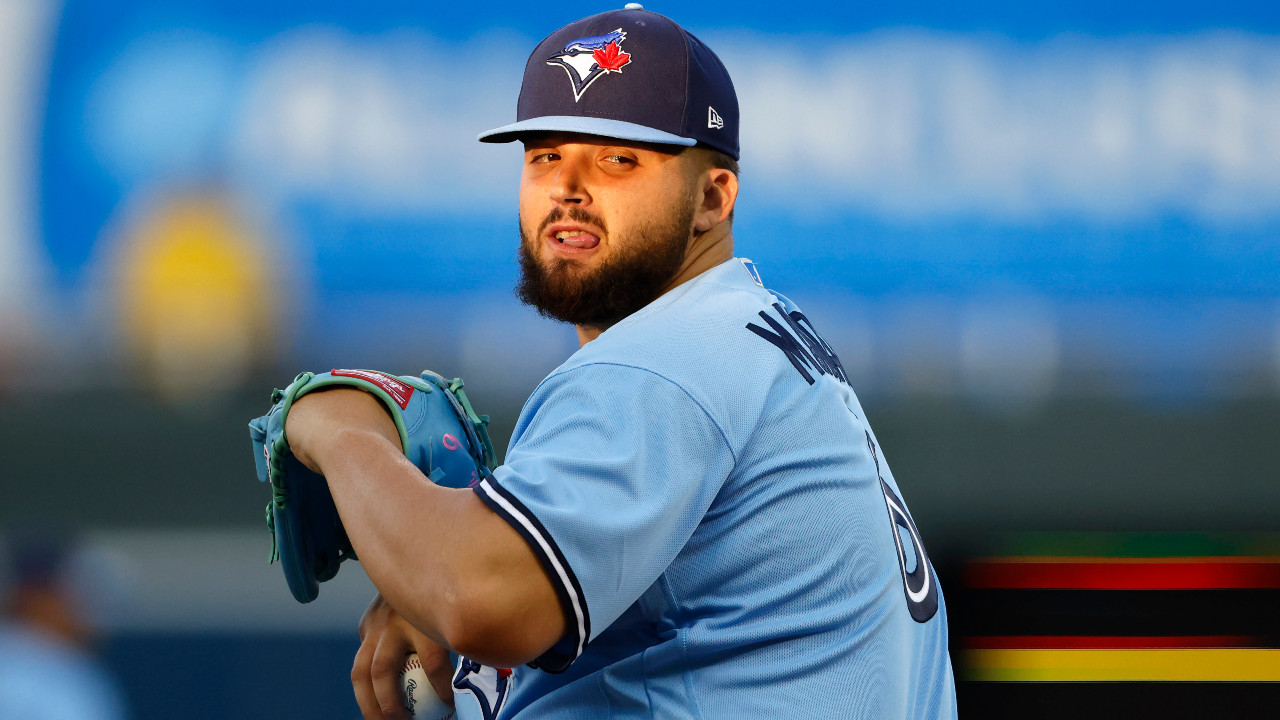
<point>1137,574</point>
<point>1077,642</point>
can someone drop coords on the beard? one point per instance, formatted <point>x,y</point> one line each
<point>641,265</point>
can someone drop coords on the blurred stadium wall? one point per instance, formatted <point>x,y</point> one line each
<point>1042,239</point>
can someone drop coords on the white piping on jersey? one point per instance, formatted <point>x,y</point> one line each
<point>548,553</point>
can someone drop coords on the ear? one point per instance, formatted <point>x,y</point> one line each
<point>716,195</point>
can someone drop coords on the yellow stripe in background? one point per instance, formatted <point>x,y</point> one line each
<point>1163,665</point>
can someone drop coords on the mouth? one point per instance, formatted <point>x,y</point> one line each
<point>572,238</point>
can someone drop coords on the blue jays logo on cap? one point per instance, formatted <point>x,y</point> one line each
<point>586,59</point>
<point>680,94</point>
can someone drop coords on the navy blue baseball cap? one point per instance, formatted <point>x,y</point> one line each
<point>628,74</point>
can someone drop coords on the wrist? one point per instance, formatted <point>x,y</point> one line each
<point>323,422</point>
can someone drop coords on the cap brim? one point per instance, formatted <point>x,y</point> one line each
<point>602,127</point>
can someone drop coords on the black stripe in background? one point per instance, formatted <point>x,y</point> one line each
<point>1253,613</point>
<point>1127,700</point>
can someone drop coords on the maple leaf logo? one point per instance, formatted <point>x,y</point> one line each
<point>611,58</point>
<point>587,59</point>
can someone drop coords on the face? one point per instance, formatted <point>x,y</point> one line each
<point>604,227</point>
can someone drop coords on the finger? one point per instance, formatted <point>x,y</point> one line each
<point>362,682</point>
<point>436,664</point>
<point>372,614</point>
<point>388,661</point>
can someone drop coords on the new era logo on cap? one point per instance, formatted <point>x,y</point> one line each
<point>660,77</point>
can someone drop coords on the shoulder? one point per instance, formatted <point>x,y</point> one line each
<point>722,341</point>
<point>601,393</point>
<point>716,332</point>
<point>31,665</point>
<point>694,327</point>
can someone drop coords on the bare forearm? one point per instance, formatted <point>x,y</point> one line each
<point>449,565</point>
<point>398,522</point>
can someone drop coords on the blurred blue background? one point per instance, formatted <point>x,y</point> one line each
<point>988,198</point>
<point>1042,238</point>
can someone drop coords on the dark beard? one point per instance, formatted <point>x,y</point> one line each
<point>641,266</point>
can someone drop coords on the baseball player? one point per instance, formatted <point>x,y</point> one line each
<point>694,519</point>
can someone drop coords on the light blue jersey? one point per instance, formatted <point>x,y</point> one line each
<point>705,492</point>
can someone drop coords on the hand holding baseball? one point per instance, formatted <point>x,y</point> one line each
<point>420,699</point>
<point>392,655</point>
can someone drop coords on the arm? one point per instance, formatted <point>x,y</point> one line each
<point>452,568</point>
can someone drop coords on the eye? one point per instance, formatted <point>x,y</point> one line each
<point>542,156</point>
<point>622,160</point>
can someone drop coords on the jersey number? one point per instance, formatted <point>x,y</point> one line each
<point>918,581</point>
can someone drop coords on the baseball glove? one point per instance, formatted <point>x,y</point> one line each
<point>439,431</point>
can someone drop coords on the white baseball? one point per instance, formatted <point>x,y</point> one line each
<point>419,697</point>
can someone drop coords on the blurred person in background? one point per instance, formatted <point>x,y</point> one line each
<point>52,590</point>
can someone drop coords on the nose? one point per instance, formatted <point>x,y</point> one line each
<point>569,186</point>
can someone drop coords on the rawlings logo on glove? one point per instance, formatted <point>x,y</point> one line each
<point>439,432</point>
